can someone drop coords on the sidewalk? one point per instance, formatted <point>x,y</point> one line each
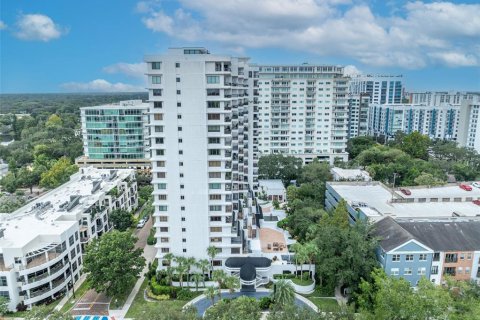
<point>149,254</point>
<point>69,294</point>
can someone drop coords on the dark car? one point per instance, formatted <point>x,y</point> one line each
<point>406,191</point>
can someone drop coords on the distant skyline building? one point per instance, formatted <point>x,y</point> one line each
<point>303,111</point>
<point>382,89</point>
<point>115,135</point>
<point>438,122</point>
<point>358,112</point>
<point>436,98</point>
<point>469,124</point>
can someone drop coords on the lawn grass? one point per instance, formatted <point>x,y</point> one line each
<point>78,294</point>
<point>140,305</point>
<point>23,314</point>
<point>325,304</point>
<point>305,282</point>
<point>118,301</point>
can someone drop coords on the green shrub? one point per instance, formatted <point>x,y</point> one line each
<point>159,289</point>
<point>184,294</point>
<point>282,224</point>
<point>265,303</point>
<point>283,276</point>
<point>151,240</point>
<point>161,297</point>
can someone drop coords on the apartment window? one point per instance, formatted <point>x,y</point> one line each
<point>162,208</point>
<point>467,270</point>
<point>162,186</point>
<point>179,128</point>
<point>165,250</point>
<point>158,116</point>
<point>183,218</point>
<point>214,116</point>
<point>178,79</point>
<point>156,80</point>
<point>451,257</point>
<point>213,79</point>
<point>5,294</point>
<point>394,271</point>
<point>213,128</point>
<point>216,239</point>
<point>180,140</point>
<point>434,270</point>
<point>213,104</point>
<point>184,229</point>
<point>449,270</point>
<point>407,271</point>
<point>180,164</point>
<point>215,218</point>
<point>182,208</point>
<point>181,175</point>
<point>3,280</point>
<point>160,163</point>
<point>215,229</point>
<point>213,140</point>
<point>71,240</point>
<point>396,257</point>
<point>182,197</point>
<point>469,256</point>
<point>235,251</point>
<point>156,65</point>
<point>215,208</point>
<point>214,163</point>
<point>179,104</point>
<point>159,140</point>
<point>214,185</point>
<point>158,128</point>
<point>462,256</point>
<point>157,92</point>
<point>421,271</point>
<point>163,219</point>
<point>184,250</point>
<point>215,175</point>
<point>177,64</point>
<point>179,92</point>
<point>72,253</point>
<point>423,257</point>
<point>180,151</point>
<point>160,152</point>
<point>163,229</point>
<point>164,240</point>
<point>409,257</point>
<point>182,186</point>
<point>179,116</point>
<point>215,197</point>
<point>217,263</point>
<point>184,240</point>
<point>214,152</point>
<point>162,197</point>
<point>158,104</point>
<point>436,256</point>
<point>460,270</point>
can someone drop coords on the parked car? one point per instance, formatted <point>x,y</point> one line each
<point>406,191</point>
<point>477,202</point>
<point>466,187</point>
<point>476,184</point>
<point>141,224</point>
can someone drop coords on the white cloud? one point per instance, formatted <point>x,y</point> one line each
<point>136,70</point>
<point>351,70</point>
<point>2,25</point>
<point>100,85</point>
<point>417,35</point>
<point>37,27</point>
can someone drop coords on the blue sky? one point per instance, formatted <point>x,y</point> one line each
<point>91,45</point>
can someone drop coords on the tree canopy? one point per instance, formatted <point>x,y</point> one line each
<point>279,166</point>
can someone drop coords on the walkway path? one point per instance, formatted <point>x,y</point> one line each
<point>340,298</point>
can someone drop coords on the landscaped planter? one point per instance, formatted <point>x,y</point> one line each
<point>308,289</point>
<point>191,284</point>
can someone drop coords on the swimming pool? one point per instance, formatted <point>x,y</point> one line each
<point>92,318</point>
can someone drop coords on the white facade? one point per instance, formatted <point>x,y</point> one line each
<point>200,150</point>
<point>303,111</point>
<point>435,98</point>
<point>469,124</point>
<point>382,89</point>
<point>274,189</point>
<point>41,244</point>
<point>340,174</point>
<point>358,109</point>
<point>439,122</point>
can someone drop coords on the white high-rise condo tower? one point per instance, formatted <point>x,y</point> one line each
<point>200,142</point>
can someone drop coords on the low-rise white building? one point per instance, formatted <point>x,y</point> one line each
<point>274,189</point>
<point>41,244</point>
<point>340,174</point>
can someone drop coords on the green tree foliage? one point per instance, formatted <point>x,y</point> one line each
<point>37,313</point>
<point>243,307</point>
<point>416,145</point>
<point>54,121</point>
<point>3,306</point>
<point>293,312</point>
<point>112,263</point>
<point>27,178</point>
<point>356,145</point>
<point>427,179</point>
<point>283,293</point>
<point>9,182</point>
<point>58,174</point>
<point>278,166</point>
<point>121,219</point>
<point>170,313</point>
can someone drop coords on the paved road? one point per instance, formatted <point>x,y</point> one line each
<point>93,303</point>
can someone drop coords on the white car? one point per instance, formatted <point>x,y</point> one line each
<point>476,184</point>
<point>141,224</point>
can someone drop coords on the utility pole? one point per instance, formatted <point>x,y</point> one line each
<point>393,188</point>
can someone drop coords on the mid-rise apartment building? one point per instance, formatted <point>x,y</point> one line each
<point>469,124</point>
<point>115,135</point>
<point>435,98</point>
<point>382,89</point>
<point>41,244</point>
<point>438,122</point>
<point>303,111</point>
<point>201,143</point>
<point>358,112</point>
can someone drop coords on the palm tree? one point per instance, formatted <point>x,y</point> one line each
<point>170,271</point>
<point>189,262</point>
<point>297,247</point>
<point>181,268</point>
<point>212,252</point>
<point>312,252</point>
<point>203,265</point>
<point>219,276</point>
<point>284,294</point>
<point>232,283</point>
<point>210,293</point>
<point>168,258</point>
<point>197,277</point>
<point>301,256</point>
